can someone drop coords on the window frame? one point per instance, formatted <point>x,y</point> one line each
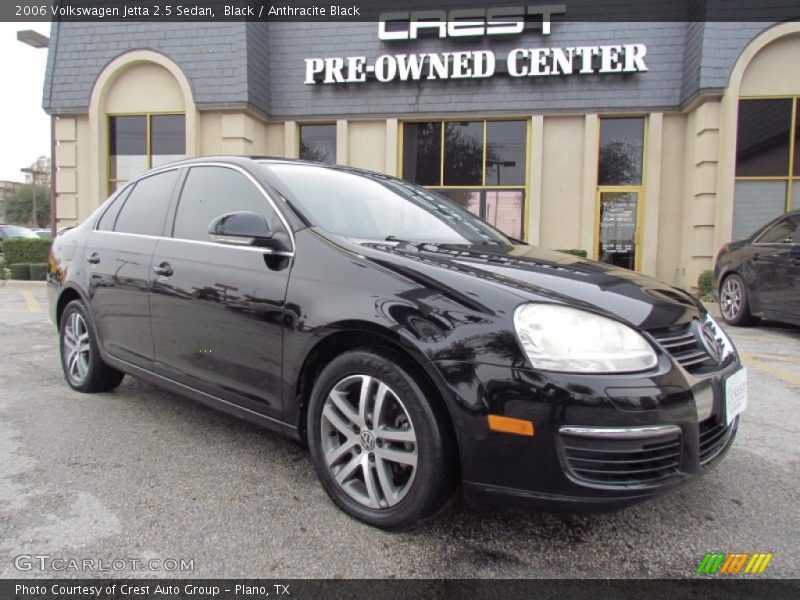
<point>111,182</point>
<point>639,190</point>
<point>525,186</point>
<point>791,178</point>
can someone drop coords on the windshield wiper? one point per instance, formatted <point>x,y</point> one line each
<point>394,238</point>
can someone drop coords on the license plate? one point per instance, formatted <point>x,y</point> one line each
<point>735,394</point>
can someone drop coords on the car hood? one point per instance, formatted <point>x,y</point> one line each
<point>543,275</point>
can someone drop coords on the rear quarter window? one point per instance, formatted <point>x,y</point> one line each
<point>109,216</point>
<point>145,208</point>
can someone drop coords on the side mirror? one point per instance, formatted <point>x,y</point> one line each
<point>245,228</point>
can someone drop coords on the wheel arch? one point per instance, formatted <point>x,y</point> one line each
<point>67,295</point>
<point>753,299</point>
<point>367,336</point>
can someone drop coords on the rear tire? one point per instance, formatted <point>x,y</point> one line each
<point>734,301</point>
<point>382,451</point>
<point>83,368</point>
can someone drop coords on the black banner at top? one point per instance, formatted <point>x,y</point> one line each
<point>376,10</point>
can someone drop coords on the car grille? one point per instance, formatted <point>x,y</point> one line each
<point>714,436</point>
<point>684,344</point>
<point>622,462</point>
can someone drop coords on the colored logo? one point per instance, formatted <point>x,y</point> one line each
<point>734,563</point>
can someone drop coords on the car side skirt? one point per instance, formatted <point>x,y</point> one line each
<point>204,398</point>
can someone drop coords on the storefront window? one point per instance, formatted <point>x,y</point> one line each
<point>128,147</point>
<point>762,138</point>
<point>619,191</point>
<point>505,153</point>
<point>422,153</point>
<point>318,143</point>
<point>621,152</point>
<point>140,142</point>
<point>481,165</point>
<point>766,175</point>
<point>463,153</point>
<point>168,139</point>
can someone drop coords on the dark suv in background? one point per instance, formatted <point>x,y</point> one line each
<point>760,276</point>
<point>412,346</point>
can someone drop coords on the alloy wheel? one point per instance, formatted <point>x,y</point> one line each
<point>368,441</point>
<point>77,348</point>
<point>731,298</point>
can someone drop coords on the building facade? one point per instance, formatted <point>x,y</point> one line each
<point>648,145</point>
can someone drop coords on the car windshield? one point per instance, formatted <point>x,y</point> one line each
<point>14,231</point>
<point>376,208</point>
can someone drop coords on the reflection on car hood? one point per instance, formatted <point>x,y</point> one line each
<point>538,274</point>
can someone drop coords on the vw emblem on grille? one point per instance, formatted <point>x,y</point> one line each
<point>367,440</point>
<point>707,335</point>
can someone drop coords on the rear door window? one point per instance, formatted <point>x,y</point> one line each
<point>146,207</point>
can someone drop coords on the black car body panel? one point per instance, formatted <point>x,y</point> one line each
<point>246,331</point>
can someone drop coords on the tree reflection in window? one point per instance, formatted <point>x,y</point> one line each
<point>463,153</point>
<point>318,143</point>
<point>621,151</point>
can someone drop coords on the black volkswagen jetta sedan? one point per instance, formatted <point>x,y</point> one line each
<point>412,346</point>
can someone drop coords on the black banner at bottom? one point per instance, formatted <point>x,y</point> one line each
<point>390,589</point>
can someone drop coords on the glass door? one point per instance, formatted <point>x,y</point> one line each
<point>618,228</point>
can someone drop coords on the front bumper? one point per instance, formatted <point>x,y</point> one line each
<point>600,442</point>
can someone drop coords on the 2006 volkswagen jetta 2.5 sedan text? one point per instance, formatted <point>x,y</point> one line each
<point>412,346</point>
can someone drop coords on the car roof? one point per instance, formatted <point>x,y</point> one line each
<point>249,161</point>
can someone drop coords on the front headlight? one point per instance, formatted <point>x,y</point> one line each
<point>559,338</point>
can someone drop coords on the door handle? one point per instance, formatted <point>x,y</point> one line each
<point>756,257</point>
<point>163,269</point>
<point>94,258</point>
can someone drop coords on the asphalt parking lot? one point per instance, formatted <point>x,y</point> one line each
<point>140,473</point>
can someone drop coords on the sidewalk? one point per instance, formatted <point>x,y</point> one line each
<point>21,284</point>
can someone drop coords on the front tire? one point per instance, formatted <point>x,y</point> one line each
<point>382,451</point>
<point>84,370</point>
<point>734,301</point>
